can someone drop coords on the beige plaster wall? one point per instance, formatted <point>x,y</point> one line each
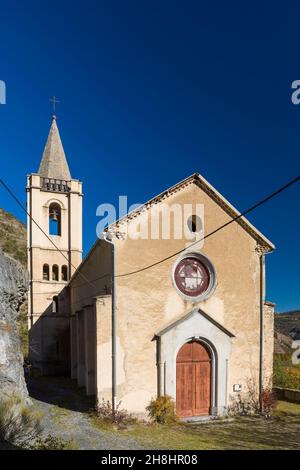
<point>268,343</point>
<point>147,302</point>
<point>49,333</point>
<point>95,277</point>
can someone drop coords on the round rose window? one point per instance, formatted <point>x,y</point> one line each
<point>194,277</point>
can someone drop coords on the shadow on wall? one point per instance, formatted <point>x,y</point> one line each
<point>49,339</point>
<point>49,379</point>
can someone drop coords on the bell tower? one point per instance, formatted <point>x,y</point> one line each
<point>54,241</point>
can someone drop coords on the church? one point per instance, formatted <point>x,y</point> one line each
<point>179,310</point>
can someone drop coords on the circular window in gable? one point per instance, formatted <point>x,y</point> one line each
<point>194,277</point>
<point>194,224</point>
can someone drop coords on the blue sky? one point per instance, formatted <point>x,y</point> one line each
<point>152,91</point>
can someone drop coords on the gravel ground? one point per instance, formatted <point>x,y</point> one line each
<point>64,411</point>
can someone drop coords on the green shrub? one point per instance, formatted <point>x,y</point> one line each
<point>52,443</point>
<point>250,403</point>
<point>22,323</point>
<point>162,410</point>
<point>281,374</point>
<point>105,412</point>
<point>19,423</point>
<point>13,237</point>
<point>268,402</point>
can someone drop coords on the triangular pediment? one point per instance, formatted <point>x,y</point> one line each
<point>205,186</point>
<point>186,317</point>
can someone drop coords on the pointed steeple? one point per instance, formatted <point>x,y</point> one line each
<point>54,163</point>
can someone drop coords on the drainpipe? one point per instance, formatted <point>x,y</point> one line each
<point>261,329</point>
<point>113,327</point>
<point>160,370</point>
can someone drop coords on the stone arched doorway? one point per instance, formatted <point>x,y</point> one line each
<point>193,380</point>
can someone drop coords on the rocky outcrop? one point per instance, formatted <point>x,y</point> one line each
<point>288,323</point>
<point>13,288</point>
<point>287,330</point>
<point>282,343</point>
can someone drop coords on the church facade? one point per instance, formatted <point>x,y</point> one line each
<point>154,314</point>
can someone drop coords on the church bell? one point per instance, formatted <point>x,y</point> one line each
<point>53,215</point>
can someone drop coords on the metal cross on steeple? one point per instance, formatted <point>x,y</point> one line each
<point>54,101</point>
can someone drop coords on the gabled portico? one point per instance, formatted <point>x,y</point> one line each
<point>215,341</point>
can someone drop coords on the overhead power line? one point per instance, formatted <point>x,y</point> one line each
<point>43,231</point>
<point>263,201</point>
<point>90,282</point>
<point>250,209</point>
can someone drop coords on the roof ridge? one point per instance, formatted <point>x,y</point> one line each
<point>203,184</point>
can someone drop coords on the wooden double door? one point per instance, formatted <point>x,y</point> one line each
<point>193,380</point>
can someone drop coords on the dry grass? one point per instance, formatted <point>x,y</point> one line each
<point>279,432</point>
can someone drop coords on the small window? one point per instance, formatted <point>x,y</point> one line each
<point>64,273</point>
<point>55,304</point>
<point>54,219</point>
<point>55,273</point>
<point>46,272</point>
<point>194,223</point>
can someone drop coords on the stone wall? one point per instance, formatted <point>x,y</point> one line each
<point>287,394</point>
